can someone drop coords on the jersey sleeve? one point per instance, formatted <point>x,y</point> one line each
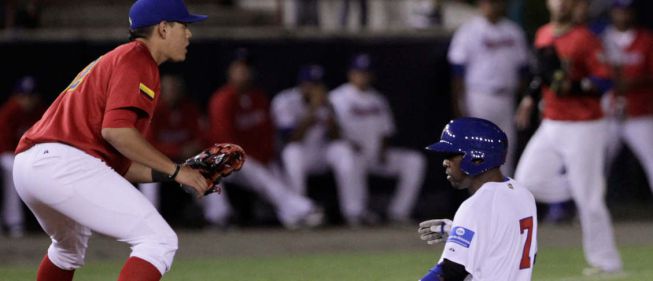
<point>522,53</point>
<point>8,111</point>
<point>649,53</point>
<point>465,244</point>
<point>282,113</point>
<point>458,48</point>
<point>221,119</point>
<point>596,60</point>
<point>133,85</point>
<point>388,119</point>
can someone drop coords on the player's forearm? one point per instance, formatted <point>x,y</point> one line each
<point>139,173</point>
<point>131,144</point>
<point>458,96</point>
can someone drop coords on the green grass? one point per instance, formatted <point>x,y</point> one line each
<point>552,264</point>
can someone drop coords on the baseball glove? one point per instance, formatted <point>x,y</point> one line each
<point>549,66</point>
<point>217,162</point>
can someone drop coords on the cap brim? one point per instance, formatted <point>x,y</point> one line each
<point>442,147</point>
<point>193,18</point>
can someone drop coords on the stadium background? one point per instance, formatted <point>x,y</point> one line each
<point>410,67</point>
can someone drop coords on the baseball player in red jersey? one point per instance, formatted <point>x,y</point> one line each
<point>19,113</point>
<point>629,50</point>
<point>572,135</point>
<point>73,168</point>
<point>239,112</point>
<point>177,129</point>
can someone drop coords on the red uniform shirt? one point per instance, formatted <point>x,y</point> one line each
<point>244,120</point>
<point>638,64</point>
<point>104,95</point>
<point>175,127</point>
<point>14,121</point>
<point>582,53</point>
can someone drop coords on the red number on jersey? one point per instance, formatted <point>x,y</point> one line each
<point>526,224</point>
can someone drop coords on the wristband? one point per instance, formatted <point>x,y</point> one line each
<point>162,177</point>
<point>174,175</point>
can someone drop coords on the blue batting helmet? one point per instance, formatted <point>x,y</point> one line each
<point>481,142</point>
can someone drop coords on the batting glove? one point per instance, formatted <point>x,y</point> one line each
<point>434,231</point>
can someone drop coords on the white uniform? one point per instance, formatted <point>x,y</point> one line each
<point>492,55</point>
<point>72,193</point>
<point>365,119</point>
<point>315,152</point>
<point>12,208</point>
<point>264,180</point>
<point>631,52</point>
<point>572,137</point>
<point>494,233</point>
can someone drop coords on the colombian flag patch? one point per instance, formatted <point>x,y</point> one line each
<point>147,91</point>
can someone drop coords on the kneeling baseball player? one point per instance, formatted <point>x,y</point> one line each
<point>493,235</point>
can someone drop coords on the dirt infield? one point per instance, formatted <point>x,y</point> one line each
<point>274,242</point>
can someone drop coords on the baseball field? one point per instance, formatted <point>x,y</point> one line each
<point>270,254</point>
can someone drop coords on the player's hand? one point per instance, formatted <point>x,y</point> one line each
<point>193,181</point>
<point>523,113</point>
<point>434,231</point>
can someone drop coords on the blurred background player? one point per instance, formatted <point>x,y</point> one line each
<point>239,113</point>
<point>176,130</point>
<point>572,135</point>
<point>629,50</point>
<point>367,124</point>
<point>312,140</point>
<point>17,114</point>
<point>489,56</point>
<point>493,235</point>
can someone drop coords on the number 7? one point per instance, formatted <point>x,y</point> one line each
<point>526,224</point>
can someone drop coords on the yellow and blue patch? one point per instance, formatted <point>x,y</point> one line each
<point>146,91</point>
<point>461,236</point>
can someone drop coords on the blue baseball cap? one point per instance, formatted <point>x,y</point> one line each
<point>622,4</point>
<point>145,13</point>
<point>25,86</point>
<point>361,62</point>
<point>310,73</point>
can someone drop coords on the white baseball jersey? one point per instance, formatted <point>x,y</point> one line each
<point>491,53</point>
<point>289,108</point>
<point>364,116</point>
<point>494,233</point>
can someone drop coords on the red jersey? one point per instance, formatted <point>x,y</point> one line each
<point>14,122</point>
<point>119,83</point>
<point>175,127</point>
<point>243,119</point>
<point>636,63</point>
<point>582,53</point>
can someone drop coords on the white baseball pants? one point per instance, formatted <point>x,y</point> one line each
<point>637,133</point>
<point>409,167</point>
<point>499,109</point>
<point>72,194</point>
<point>12,209</point>
<point>300,160</point>
<point>579,148</point>
<point>290,206</point>
<point>152,191</point>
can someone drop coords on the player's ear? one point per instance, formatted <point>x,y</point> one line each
<point>162,29</point>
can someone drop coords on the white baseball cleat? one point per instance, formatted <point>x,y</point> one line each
<point>603,274</point>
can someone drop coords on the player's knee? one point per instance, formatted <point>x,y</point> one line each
<point>341,154</point>
<point>67,258</point>
<point>415,162</point>
<point>292,151</point>
<point>159,250</point>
